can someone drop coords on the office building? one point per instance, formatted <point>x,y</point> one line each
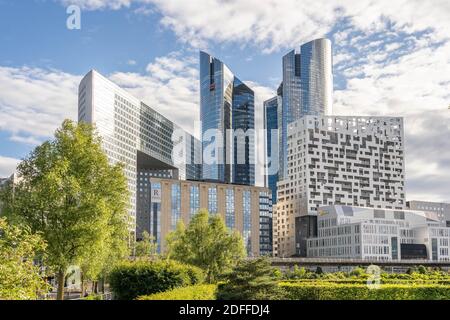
<point>247,209</point>
<point>442,209</point>
<point>307,87</point>
<point>136,134</point>
<point>337,160</point>
<point>379,234</point>
<point>272,121</point>
<point>227,113</point>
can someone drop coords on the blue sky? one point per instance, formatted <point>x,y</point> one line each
<point>390,58</point>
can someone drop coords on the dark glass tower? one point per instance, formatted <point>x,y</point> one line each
<point>227,107</point>
<point>271,118</point>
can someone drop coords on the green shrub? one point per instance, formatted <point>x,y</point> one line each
<point>198,292</point>
<point>132,279</point>
<point>337,291</point>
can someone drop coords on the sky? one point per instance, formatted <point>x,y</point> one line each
<point>390,58</point>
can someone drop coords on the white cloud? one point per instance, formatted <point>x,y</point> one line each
<point>272,25</point>
<point>33,101</point>
<point>7,166</point>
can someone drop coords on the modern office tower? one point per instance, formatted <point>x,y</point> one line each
<point>227,111</point>
<point>316,77</point>
<point>307,87</point>
<point>442,209</point>
<point>356,161</point>
<point>379,234</point>
<point>135,134</point>
<point>272,108</point>
<point>247,209</point>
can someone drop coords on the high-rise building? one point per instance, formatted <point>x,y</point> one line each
<point>379,234</point>
<point>307,87</point>
<point>272,121</point>
<point>442,209</point>
<point>227,112</point>
<point>355,161</point>
<point>316,78</point>
<point>247,209</point>
<point>138,136</point>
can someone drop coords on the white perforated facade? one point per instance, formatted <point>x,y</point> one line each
<point>342,160</point>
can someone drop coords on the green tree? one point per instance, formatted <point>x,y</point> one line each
<point>20,278</point>
<point>207,244</point>
<point>146,247</point>
<point>251,280</point>
<point>77,201</point>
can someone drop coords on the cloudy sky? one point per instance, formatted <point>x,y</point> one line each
<point>391,57</point>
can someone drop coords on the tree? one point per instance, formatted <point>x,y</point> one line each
<point>77,201</point>
<point>20,278</point>
<point>206,243</point>
<point>251,280</point>
<point>146,247</point>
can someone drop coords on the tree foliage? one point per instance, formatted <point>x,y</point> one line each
<point>206,243</point>
<point>251,280</point>
<point>132,279</point>
<point>146,248</point>
<point>20,278</point>
<point>77,201</point>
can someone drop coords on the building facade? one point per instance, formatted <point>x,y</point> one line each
<point>227,112</point>
<point>316,78</point>
<point>247,209</point>
<point>440,208</point>
<point>379,234</point>
<point>356,161</point>
<point>135,134</point>
<point>272,121</point>
<point>307,89</point>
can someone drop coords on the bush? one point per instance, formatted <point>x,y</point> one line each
<point>251,280</point>
<point>132,279</point>
<point>337,291</point>
<point>198,292</point>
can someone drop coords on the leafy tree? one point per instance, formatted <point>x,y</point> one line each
<point>146,247</point>
<point>251,280</point>
<point>77,201</point>
<point>20,278</point>
<point>206,243</point>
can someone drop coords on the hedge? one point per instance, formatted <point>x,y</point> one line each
<point>337,291</point>
<point>197,292</point>
<point>132,279</point>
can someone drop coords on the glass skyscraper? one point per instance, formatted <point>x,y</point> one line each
<point>272,107</point>
<point>307,87</point>
<point>316,75</point>
<point>227,107</point>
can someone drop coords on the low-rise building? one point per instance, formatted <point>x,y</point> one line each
<point>247,209</point>
<point>442,209</point>
<point>379,234</point>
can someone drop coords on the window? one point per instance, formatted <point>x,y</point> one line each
<point>230,219</point>
<point>194,200</point>
<point>176,205</point>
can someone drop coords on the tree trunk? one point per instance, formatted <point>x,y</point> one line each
<point>83,287</point>
<point>60,279</point>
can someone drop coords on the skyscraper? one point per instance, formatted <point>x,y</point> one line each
<point>272,118</point>
<point>137,136</point>
<point>227,112</point>
<point>316,78</point>
<point>337,160</point>
<point>307,87</point>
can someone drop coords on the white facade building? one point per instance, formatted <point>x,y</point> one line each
<point>135,134</point>
<point>442,209</point>
<point>379,234</point>
<point>342,160</point>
